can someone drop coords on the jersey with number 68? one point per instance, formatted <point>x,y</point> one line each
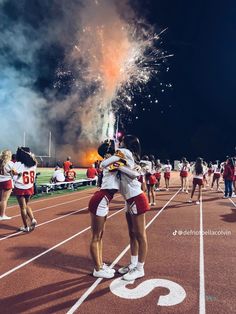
<point>26,176</point>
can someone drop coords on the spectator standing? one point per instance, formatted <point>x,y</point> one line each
<point>67,164</point>
<point>228,176</point>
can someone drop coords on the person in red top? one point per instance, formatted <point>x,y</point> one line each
<point>70,174</point>
<point>67,164</point>
<point>92,173</point>
<point>228,176</point>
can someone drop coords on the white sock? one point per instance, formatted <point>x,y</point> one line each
<point>140,266</point>
<point>134,260</point>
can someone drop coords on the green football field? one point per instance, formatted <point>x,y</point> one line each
<point>46,174</point>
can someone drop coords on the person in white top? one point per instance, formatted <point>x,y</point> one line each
<point>6,183</point>
<point>150,178</point>
<point>184,169</point>
<point>158,169</point>
<point>25,170</point>
<point>216,168</point>
<point>99,208</point>
<point>58,175</point>
<point>167,170</point>
<point>145,165</point>
<point>199,170</point>
<point>136,205</point>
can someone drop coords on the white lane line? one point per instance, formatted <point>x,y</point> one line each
<point>232,202</point>
<point>55,205</point>
<point>96,283</point>
<point>202,300</point>
<point>229,199</point>
<point>52,248</point>
<point>48,221</point>
<point>44,223</point>
<point>53,197</point>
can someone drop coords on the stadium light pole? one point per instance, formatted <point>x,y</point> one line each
<point>117,128</point>
<point>24,137</point>
<point>49,144</point>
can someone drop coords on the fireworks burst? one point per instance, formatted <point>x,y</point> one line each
<point>109,64</point>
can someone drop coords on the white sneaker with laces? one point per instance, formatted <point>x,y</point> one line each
<point>105,266</point>
<point>5,217</point>
<point>190,201</point>
<point>153,204</point>
<point>33,224</point>
<point>133,274</point>
<point>197,202</point>
<point>103,273</point>
<point>125,269</point>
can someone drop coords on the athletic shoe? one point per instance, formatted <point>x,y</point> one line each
<point>234,195</point>
<point>225,196</point>
<point>33,224</point>
<point>24,229</point>
<point>186,191</point>
<point>190,201</point>
<point>153,204</point>
<point>125,269</point>
<point>197,202</point>
<point>5,217</point>
<point>103,273</point>
<point>105,266</point>
<point>133,274</point>
<point>157,190</point>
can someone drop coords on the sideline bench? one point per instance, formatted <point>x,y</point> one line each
<point>50,187</point>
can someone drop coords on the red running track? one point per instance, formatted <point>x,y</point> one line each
<point>49,270</point>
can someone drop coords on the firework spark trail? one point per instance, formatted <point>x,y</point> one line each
<point>115,56</point>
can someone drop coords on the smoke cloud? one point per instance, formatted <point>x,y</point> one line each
<point>63,65</point>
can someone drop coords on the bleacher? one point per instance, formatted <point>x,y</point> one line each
<point>73,185</point>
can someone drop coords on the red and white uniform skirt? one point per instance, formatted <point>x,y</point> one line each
<point>183,173</point>
<point>197,181</point>
<point>167,175</point>
<point>23,192</point>
<point>6,185</point>
<point>216,176</point>
<point>137,205</point>
<point>99,203</point>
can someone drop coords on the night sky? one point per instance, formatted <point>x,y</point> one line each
<point>202,118</point>
<point>188,110</point>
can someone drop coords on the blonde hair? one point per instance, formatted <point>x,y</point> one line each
<point>5,157</point>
